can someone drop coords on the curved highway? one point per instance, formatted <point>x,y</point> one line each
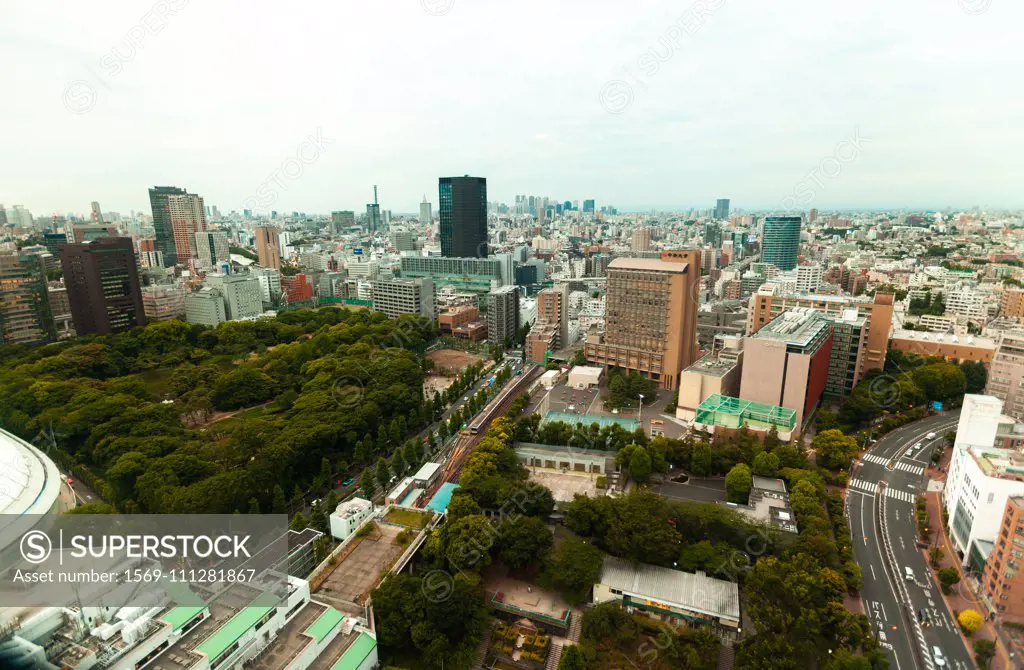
<point>880,506</point>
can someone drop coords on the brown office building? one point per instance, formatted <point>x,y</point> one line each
<point>103,286</point>
<point>651,316</point>
<point>1003,580</point>
<point>769,302</point>
<point>268,247</point>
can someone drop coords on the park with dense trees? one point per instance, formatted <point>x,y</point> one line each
<point>317,392</point>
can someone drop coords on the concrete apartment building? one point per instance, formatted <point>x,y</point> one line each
<point>163,301</point>
<point>786,363</point>
<point>551,330</point>
<point>1012,304</point>
<point>395,297</point>
<point>770,301</point>
<point>243,296</point>
<point>1006,373</point>
<point>650,316</point>
<point>982,477</point>
<point>270,283</point>
<point>1002,580</point>
<point>268,247</point>
<point>502,315</point>
<point>205,307</point>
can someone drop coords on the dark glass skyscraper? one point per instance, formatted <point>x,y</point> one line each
<point>780,242</point>
<point>463,215</point>
<point>722,209</point>
<point>159,201</point>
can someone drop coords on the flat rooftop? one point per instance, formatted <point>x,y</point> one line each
<point>295,636</point>
<point>945,338</point>
<point>715,364</point>
<point>650,264</point>
<point>693,591</point>
<point>796,327</point>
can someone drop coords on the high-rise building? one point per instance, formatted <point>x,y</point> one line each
<point>270,283</point>
<point>342,220</point>
<point>502,315</point>
<point>97,214</point>
<point>426,212</point>
<point>722,209</point>
<point>396,297</point>
<point>373,214</point>
<point>268,249</point>
<point>25,315</point>
<point>780,242</point>
<point>786,363</point>
<point>769,301</point>
<point>177,216</point>
<point>103,285</point>
<point>812,216</point>
<point>641,240</point>
<point>1003,579</point>
<point>588,206</point>
<point>212,248</point>
<point>1006,373</point>
<point>713,234</point>
<point>463,214</point>
<point>650,316</point>
<point>551,330</point>
<point>471,274</point>
<point>90,232</point>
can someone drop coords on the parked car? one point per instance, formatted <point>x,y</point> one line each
<point>938,658</point>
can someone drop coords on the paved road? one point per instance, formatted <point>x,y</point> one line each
<point>880,506</point>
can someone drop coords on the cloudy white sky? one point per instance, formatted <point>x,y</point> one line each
<point>745,107</point>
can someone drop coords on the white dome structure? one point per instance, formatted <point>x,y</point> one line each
<point>29,481</point>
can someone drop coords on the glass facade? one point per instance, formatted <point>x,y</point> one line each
<point>463,217</point>
<point>780,243</point>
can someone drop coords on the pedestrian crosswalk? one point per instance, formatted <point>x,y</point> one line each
<point>870,487</point>
<point>872,458</point>
<point>907,467</point>
<point>898,494</point>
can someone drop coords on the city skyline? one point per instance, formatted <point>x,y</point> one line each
<point>753,134</point>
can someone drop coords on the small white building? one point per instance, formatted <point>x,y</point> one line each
<point>583,377</point>
<point>349,516</point>
<point>427,475</point>
<point>550,378</point>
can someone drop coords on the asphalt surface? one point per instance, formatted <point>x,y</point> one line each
<point>880,507</point>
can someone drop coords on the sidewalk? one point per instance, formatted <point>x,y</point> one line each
<point>962,596</point>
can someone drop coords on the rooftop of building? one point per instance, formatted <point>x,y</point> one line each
<point>651,264</point>
<point>695,592</point>
<point>799,326</point>
<point>999,463</point>
<point>29,480</point>
<point>352,507</point>
<point>944,338</point>
<point>717,363</point>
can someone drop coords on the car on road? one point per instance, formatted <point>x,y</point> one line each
<point>909,573</point>
<point>347,482</point>
<point>930,436</point>
<point>938,658</point>
<point>916,447</point>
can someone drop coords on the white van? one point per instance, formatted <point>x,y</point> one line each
<point>930,436</point>
<point>909,573</point>
<point>938,658</point>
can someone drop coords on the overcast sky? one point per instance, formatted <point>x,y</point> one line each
<point>552,98</point>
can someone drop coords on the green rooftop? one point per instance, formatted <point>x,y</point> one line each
<point>327,622</point>
<point>232,631</point>
<point>179,616</point>
<point>356,654</point>
<point>729,412</point>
